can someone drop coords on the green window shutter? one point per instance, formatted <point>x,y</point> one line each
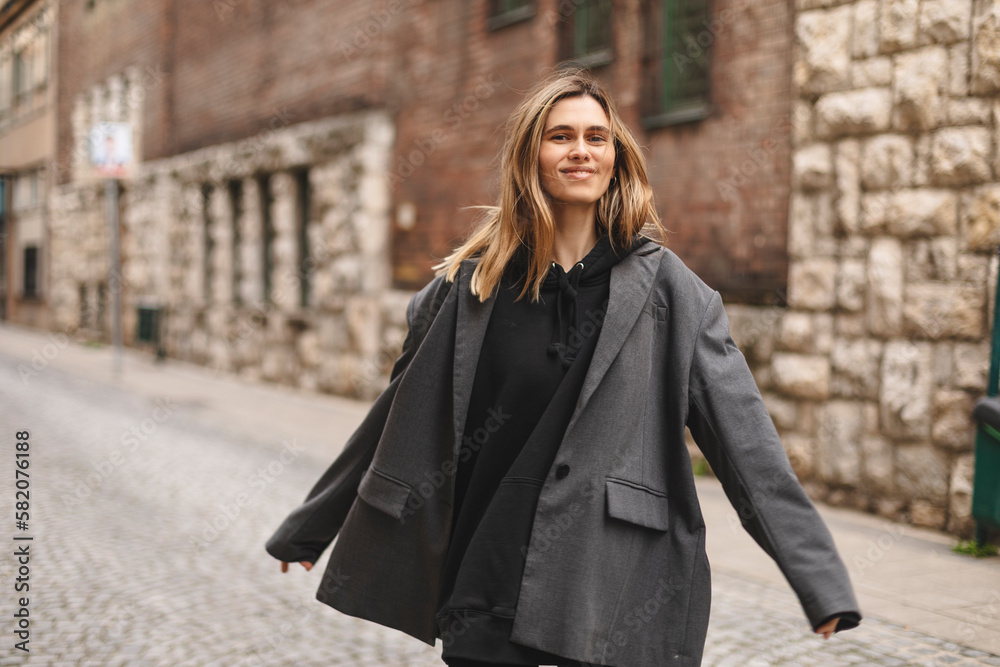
<point>592,31</point>
<point>507,6</point>
<point>684,59</point>
<point>507,12</point>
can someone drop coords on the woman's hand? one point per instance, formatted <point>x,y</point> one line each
<point>826,629</point>
<point>306,564</point>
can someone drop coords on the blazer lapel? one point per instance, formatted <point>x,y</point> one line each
<point>470,329</point>
<point>631,281</point>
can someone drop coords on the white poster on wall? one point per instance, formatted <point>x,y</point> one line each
<point>111,149</point>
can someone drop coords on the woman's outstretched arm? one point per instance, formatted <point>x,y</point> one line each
<point>313,525</point>
<point>733,428</point>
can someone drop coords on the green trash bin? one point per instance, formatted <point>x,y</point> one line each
<point>986,488</point>
<point>986,483</point>
<point>147,324</point>
<point>149,328</point>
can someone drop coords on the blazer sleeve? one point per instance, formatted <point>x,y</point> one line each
<point>312,526</point>
<point>733,428</point>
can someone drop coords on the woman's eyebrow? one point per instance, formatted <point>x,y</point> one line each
<point>599,128</point>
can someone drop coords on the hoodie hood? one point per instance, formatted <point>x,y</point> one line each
<point>594,269</point>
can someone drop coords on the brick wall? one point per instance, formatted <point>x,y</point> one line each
<point>731,227</point>
<point>98,43</point>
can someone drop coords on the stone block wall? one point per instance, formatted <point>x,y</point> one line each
<point>219,241</point>
<point>872,367</point>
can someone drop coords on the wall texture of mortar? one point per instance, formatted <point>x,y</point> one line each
<point>872,369</point>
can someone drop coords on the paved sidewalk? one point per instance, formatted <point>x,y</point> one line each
<point>902,575</point>
<point>922,603</point>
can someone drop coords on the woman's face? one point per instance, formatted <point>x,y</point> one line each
<point>577,155</point>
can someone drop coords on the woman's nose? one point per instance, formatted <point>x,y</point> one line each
<point>579,149</point>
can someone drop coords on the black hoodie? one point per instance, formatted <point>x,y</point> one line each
<point>530,371</point>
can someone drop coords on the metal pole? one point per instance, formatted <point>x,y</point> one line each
<point>115,270</point>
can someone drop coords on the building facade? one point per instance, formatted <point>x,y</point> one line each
<point>829,166</point>
<point>28,38</point>
<point>286,256</point>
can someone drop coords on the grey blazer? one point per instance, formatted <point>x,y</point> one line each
<point>615,570</point>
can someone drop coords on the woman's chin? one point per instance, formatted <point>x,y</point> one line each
<point>572,199</point>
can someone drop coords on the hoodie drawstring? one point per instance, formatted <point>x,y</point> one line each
<point>569,284</point>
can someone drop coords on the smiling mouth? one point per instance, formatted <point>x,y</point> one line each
<point>578,174</point>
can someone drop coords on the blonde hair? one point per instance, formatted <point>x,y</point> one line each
<point>522,217</point>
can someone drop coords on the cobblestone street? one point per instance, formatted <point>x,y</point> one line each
<point>149,516</point>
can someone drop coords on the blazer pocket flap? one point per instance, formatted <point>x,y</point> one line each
<point>637,504</point>
<point>384,493</point>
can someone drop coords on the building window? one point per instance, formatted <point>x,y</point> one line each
<point>3,245</point>
<point>22,70</point>
<point>30,65</point>
<point>677,62</point>
<point>28,188</point>
<point>6,83</point>
<point>586,34</point>
<point>506,12</point>
<point>24,66</point>
<point>84,306</point>
<point>208,242</point>
<point>267,233</point>
<point>305,266</point>
<point>30,272</point>
<point>236,209</point>
<point>102,307</point>
<point>39,63</point>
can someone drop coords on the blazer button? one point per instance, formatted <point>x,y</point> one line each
<point>562,470</point>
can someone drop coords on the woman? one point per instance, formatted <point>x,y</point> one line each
<point>522,489</point>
